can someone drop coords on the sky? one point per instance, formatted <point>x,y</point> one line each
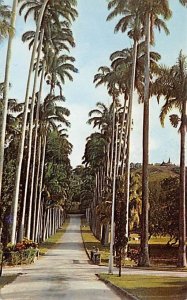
<point>95,41</point>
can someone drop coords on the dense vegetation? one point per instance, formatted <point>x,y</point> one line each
<point>37,183</point>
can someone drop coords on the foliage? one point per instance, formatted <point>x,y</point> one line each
<point>120,216</point>
<point>164,212</point>
<point>133,254</point>
<point>5,15</point>
<point>57,167</point>
<point>23,245</point>
<point>135,201</point>
<point>25,256</point>
<point>81,186</point>
<point>20,253</point>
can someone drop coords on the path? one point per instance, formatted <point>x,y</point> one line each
<point>63,273</point>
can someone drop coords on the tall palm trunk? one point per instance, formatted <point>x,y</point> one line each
<point>113,139</point>
<point>30,133</point>
<point>34,153</point>
<point>182,204</point>
<point>21,146</point>
<point>121,135</point>
<point>129,113</point>
<point>110,270</point>
<point>144,255</point>
<point>40,186</point>
<point>108,161</point>
<point>129,122</point>
<point>36,181</point>
<point>30,147</point>
<point>6,91</point>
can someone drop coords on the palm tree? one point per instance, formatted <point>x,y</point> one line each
<point>172,84</point>
<point>4,29</point>
<point>43,14</point>
<point>30,133</point>
<point>54,37</point>
<point>139,17</point>
<point>107,76</point>
<point>131,22</point>
<point>21,146</point>
<point>50,113</point>
<point>103,119</point>
<point>183,2</point>
<point>152,12</point>
<point>59,67</point>
<point>94,157</point>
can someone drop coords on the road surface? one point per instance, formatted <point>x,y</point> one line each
<point>63,273</point>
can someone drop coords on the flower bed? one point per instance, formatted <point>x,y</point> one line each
<point>24,252</point>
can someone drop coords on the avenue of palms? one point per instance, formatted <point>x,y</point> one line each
<point>38,185</point>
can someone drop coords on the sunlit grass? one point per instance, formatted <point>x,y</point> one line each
<point>151,287</point>
<point>90,240</point>
<point>51,242</point>
<point>161,255</point>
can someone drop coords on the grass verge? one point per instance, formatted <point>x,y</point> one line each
<point>150,287</point>
<point>51,242</point>
<point>90,240</point>
<point>6,279</point>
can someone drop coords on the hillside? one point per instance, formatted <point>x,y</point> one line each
<point>158,173</point>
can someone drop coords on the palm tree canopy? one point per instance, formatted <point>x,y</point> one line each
<point>54,10</point>
<point>5,15</point>
<point>134,16</point>
<point>172,84</point>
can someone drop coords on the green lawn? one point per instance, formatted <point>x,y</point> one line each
<point>161,255</point>
<point>90,240</point>
<point>151,287</point>
<point>51,242</point>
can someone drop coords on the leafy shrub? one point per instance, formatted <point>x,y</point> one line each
<point>25,256</point>
<point>21,253</point>
<point>25,244</point>
<point>133,254</point>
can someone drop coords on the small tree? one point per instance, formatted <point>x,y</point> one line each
<point>121,240</point>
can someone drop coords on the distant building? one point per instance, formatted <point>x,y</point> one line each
<point>166,164</point>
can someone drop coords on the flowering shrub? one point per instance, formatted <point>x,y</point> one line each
<point>25,244</point>
<point>21,253</point>
<point>133,254</point>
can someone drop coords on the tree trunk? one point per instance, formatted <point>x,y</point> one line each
<point>36,188</point>
<point>6,92</point>
<point>144,250</point>
<point>41,185</point>
<point>121,135</point>
<point>110,270</point>
<point>21,146</point>
<point>182,203</point>
<point>30,150</point>
<point>113,138</point>
<point>34,151</point>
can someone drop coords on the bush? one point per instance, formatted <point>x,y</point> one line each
<point>21,253</point>
<point>25,256</point>
<point>133,254</point>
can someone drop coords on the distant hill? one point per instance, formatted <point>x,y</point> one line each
<point>158,173</point>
